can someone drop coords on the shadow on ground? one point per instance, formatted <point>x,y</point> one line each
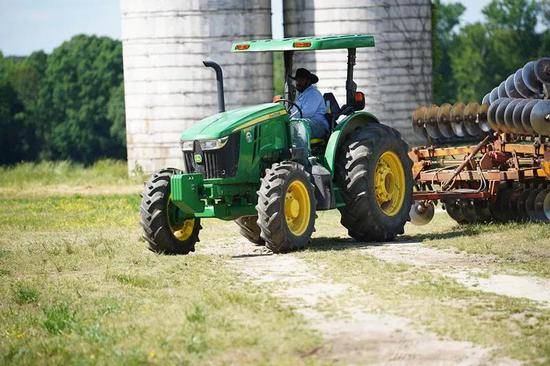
<point>328,243</point>
<point>338,243</point>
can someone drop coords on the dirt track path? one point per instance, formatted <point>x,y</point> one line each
<point>468,270</point>
<point>352,335</point>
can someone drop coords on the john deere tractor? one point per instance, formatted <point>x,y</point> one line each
<point>256,165</point>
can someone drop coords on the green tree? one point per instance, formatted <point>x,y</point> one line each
<point>445,21</point>
<point>20,80</point>
<point>115,113</point>
<point>469,63</point>
<point>486,53</point>
<point>25,77</point>
<point>10,110</point>
<point>79,81</point>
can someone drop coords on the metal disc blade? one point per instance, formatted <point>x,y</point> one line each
<point>526,116</point>
<point>530,202</point>
<point>511,205</point>
<point>508,112</point>
<point>491,114</point>
<point>457,119</point>
<point>516,115</point>
<point>482,118</point>
<point>485,99</point>
<point>498,207</point>
<point>416,115</point>
<point>540,117</point>
<point>510,88</point>
<point>520,85</point>
<point>546,206</point>
<point>520,204</point>
<point>431,124</point>
<point>418,118</point>
<point>530,79</point>
<point>542,70</point>
<point>444,120</point>
<point>468,211</point>
<point>499,116</point>
<point>470,119</point>
<point>540,214</point>
<point>502,90</point>
<point>421,213</point>
<point>453,209</point>
<point>482,210</point>
<point>493,96</point>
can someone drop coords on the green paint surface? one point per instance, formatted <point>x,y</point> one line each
<point>315,43</point>
<point>223,124</point>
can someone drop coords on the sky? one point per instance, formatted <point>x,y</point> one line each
<point>31,25</point>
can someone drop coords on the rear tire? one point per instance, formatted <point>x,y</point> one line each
<point>360,163</point>
<point>161,229</point>
<point>286,207</point>
<point>250,230</point>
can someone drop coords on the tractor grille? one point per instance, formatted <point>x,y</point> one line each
<point>221,163</point>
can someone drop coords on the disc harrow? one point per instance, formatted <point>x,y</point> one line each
<point>505,176</point>
<point>451,123</point>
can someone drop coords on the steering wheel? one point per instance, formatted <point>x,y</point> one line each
<point>289,104</point>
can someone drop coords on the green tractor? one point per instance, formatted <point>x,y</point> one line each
<point>257,166</point>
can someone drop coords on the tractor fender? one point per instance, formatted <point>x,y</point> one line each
<point>346,126</point>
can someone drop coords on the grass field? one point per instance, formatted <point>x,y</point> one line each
<point>78,286</point>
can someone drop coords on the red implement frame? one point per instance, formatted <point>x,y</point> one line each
<point>475,172</point>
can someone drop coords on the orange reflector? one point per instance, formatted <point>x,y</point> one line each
<point>301,44</point>
<point>242,47</point>
<point>359,97</point>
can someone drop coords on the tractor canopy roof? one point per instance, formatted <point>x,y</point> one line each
<point>305,43</point>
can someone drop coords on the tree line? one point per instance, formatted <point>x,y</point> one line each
<point>69,105</point>
<point>469,61</point>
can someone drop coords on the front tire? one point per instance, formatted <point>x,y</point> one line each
<point>286,207</point>
<point>164,229</point>
<point>374,172</point>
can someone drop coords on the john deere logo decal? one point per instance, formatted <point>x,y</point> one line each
<point>198,158</point>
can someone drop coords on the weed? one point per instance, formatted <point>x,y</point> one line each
<point>59,318</point>
<point>197,316</point>
<point>25,294</point>
<point>134,280</point>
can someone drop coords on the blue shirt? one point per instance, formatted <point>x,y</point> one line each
<point>312,104</point>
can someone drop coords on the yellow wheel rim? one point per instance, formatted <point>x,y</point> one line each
<point>184,230</point>
<point>297,207</point>
<point>389,183</point>
<point>181,230</point>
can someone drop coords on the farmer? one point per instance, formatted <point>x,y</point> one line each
<point>311,103</point>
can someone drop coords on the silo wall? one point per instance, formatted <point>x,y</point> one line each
<point>167,88</point>
<point>396,75</point>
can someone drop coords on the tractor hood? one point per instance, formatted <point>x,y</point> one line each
<point>225,123</point>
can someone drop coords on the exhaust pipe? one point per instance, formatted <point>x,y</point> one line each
<point>219,78</point>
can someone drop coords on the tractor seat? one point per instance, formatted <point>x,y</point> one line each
<point>333,109</point>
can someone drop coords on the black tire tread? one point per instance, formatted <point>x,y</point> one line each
<point>154,218</point>
<point>363,219</point>
<point>271,220</point>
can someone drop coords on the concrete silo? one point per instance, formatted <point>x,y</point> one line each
<point>168,88</point>
<point>396,75</point>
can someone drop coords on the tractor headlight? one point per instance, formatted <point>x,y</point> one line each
<point>187,145</point>
<point>213,144</point>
